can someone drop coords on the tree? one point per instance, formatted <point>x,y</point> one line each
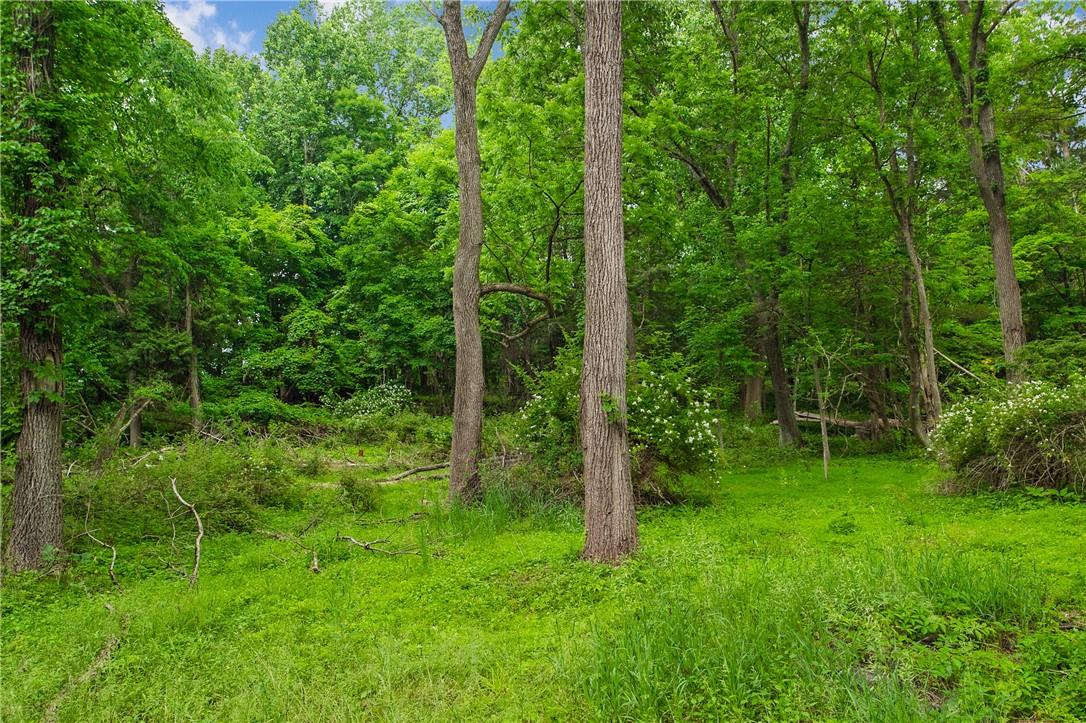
<point>470,380</point>
<point>610,519</point>
<point>978,124</point>
<point>37,233</point>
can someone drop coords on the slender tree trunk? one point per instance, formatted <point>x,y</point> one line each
<point>929,372</point>
<point>470,379</point>
<point>610,520</point>
<point>822,418</point>
<point>787,427</point>
<point>36,500</point>
<point>912,356</point>
<point>135,426</point>
<point>194,366</point>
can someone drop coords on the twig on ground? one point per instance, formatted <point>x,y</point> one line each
<point>370,546</point>
<point>199,533</point>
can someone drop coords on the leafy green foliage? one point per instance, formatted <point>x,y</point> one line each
<point>669,420</point>
<point>1031,434</point>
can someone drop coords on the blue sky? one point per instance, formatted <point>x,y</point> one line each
<point>237,25</point>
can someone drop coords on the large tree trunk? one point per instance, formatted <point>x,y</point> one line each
<point>753,390</point>
<point>36,501</point>
<point>978,124</point>
<point>470,381</point>
<point>194,366</point>
<point>610,520</point>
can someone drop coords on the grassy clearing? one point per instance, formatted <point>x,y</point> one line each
<point>779,596</point>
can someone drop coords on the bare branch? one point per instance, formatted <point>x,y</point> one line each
<point>371,546</point>
<point>199,533</point>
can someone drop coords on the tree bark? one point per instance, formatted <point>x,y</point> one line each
<point>36,501</point>
<point>929,374</point>
<point>788,428</point>
<point>912,358</point>
<point>610,520</point>
<point>470,380</point>
<point>822,414</point>
<point>978,125</point>
<point>753,389</point>
<point>194,366</point>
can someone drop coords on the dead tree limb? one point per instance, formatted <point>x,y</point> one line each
<point>371,545</point>
<point>199,533</point>
<point>415,470</point>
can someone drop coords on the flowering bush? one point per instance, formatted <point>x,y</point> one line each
<point>385,398</point>
<point>1030,434</point>
<point>668,420</point>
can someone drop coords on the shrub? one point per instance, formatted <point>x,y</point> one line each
<point>387,398</point>
<point>1029,434</point>
<point>227,483</point>
<point>402,428</point>
<point>361,495</point>
<point>668,419</point>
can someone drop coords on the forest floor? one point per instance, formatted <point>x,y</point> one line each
<point>776,596</point>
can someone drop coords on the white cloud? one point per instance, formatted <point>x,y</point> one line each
<point>194,19</point>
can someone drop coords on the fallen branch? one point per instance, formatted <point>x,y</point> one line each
<point>370,546</point>
<point>199,533</point>
<point>415,470</point>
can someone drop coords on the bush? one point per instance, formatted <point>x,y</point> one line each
<point>387,398</point>
<point>227,484</point>
<point>361,495</point>
<point>668,419</point>
<point>1030,434</point>
<point>402,428</point>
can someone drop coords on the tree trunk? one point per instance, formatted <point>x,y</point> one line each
<point>822,418</point>
<point>929,375</point>
<point>787,426</point>
<point>135,425</point>
<point>753,390</point>
<point>470,380</point>
<point>912,357</point>
<point>36,500</point>
<point>610,520</point>
<point>194,367</point>
<point>978,124</point>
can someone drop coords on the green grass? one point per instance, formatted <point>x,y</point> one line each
<point>780,597</point>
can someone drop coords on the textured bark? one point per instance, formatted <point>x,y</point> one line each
<point>194,366</point>
<point>929,375</point>
<point>610,520</point>
<point>470,381</point>
<point>753,390</point>
<point>977,121</point>
<point>788,428</point>
<point>36,498</point>
<point>912,358</point>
